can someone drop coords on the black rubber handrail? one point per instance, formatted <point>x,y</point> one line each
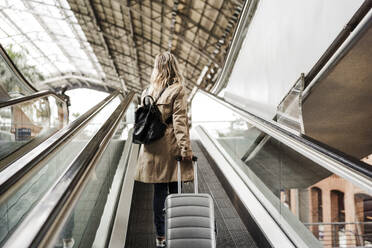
<point>13,172</point>
<point>35,228</point>
<point>342,158</point>
<point>31,97</point>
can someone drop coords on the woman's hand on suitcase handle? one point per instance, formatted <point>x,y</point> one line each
<point>193,158</point>
<point>189,158</point>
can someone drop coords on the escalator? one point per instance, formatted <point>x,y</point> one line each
<point>73,182</point>
<point>267,182</point>
<point>70,173</point>
<point>57,178</point>
<point>315,195</point>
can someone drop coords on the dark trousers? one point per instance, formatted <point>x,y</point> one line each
<point>160,193</point>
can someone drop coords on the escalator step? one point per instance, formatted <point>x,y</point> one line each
<point>231,230</point>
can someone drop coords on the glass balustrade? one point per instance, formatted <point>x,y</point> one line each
<point>89,218</point>
<point>14,207</point>
<point>11,85</point>
<point>334,210</point>
<point>31,121</point>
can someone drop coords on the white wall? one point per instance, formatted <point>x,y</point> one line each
<point>285,38</point>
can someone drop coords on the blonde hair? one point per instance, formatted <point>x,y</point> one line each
<point>165,71</point>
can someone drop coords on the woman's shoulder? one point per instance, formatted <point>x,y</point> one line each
<point>176,88</point>
<point>170,93</point>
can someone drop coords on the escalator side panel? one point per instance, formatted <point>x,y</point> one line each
<point>246,218</point>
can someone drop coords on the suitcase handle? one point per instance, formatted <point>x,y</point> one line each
<point>194,159</point>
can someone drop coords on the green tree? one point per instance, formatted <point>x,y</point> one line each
<point>76,115</point>
<point>10,85</point>
<point>19,58</point>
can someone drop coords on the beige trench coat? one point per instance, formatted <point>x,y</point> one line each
<point>156,162</point>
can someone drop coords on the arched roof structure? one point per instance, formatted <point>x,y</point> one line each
<point>115,41</point>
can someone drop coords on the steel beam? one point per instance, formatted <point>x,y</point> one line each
<point>76,34</point>
<point>185,18</point>
<point>47,30</point>
<point>179,35</point>
<point>29,39</point>
<point>97,23</point>
<point>134,44</point>
<point>144,51</point>
<point>173,24</point>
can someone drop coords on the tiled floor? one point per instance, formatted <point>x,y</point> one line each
<point>231,231</point>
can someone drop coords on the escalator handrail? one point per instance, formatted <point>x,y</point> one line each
<point>31,97</point>
<point>13,172</point>
<point>359,172</point>
<point>245,19</point>
<point>339,40</point>
<point>15,69</point>
<point>41,223</point>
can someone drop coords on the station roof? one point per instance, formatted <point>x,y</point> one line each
<point>114,42</point>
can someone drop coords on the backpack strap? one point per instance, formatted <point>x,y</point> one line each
<point>169,120</point>
<point>144,99</point>
<point>149,96</point>
<point>161,92</point>
<point>146,95</point>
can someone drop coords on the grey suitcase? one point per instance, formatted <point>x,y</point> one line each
<point>189,218</point>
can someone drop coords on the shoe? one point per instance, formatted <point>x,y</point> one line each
<point>160,242</point>
<point>68,243</point>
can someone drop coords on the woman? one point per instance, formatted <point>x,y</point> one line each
<point>156,162</point>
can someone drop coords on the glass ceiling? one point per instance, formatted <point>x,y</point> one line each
<point>49,35</point>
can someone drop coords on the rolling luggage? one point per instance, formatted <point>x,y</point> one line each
<point>189,218</point>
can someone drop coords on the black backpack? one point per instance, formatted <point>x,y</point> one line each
<point>148,124</point>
